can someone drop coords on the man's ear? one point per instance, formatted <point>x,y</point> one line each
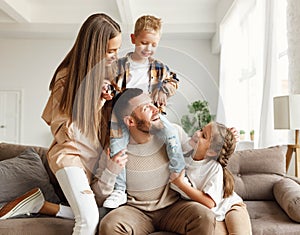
<point>132,38</point>
<point>129,121</point>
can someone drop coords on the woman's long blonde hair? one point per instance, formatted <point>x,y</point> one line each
<point>86,70</point>
<point>223,143</point>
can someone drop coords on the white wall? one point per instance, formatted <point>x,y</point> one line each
<point>29,64</point>
<point>198,71</point>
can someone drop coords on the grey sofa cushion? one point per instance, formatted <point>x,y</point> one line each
<point>287,194</point>
<point>23,173</point>
<point>267,218</point>
<point>36,226</point>
<point>255,171</point>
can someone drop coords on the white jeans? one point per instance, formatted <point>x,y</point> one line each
<point>76,188</point>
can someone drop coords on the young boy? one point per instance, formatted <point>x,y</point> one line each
<point>139,70</point>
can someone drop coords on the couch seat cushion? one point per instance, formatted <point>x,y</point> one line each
<point>267,218</point>
<point>36,226</point>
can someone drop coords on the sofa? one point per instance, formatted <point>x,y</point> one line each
<point>272,197</point>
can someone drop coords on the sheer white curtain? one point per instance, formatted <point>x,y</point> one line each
<point>293,31</point>
<point>268,136</point>
<point>248,69</point>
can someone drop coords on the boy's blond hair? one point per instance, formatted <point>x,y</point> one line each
<point>147,23</point>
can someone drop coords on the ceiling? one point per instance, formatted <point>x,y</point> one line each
<point>62,18</point>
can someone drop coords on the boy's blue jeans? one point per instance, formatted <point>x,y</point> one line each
<point>168,134</point>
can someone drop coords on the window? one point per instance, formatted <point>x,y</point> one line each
<point>254,67</point>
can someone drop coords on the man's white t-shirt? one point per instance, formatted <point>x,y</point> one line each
<point>207,175</point>
<point>138,75</point>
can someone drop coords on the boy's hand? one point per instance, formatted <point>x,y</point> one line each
<point>159,97</point>
<point>162,98</point>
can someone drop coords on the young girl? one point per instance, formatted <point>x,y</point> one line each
<point>212,182</point>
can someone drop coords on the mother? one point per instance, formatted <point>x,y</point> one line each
<point>73,113</point>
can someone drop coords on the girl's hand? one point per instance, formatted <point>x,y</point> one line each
<point>235,133</point>
<point>117,162</point>
<point>178,180</point>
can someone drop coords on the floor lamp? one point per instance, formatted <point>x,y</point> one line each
<point>287,116</point>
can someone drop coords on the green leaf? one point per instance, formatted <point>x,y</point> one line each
<point>201,116</point>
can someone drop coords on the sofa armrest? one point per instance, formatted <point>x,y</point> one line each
<point>287,194</point>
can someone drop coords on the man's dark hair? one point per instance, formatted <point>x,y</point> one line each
<point>121,102</point>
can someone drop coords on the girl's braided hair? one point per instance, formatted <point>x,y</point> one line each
<point>223,142</point>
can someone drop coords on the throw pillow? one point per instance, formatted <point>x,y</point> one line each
<point>287,194</point>
<point>23,173</point>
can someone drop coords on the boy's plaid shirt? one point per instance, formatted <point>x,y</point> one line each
<point>160,77</point>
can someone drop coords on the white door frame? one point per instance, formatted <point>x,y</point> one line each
<point>14,114</point>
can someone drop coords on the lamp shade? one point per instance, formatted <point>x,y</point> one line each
<point>287,112</point>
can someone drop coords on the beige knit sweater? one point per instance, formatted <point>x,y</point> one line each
<point>69,146</point>
<point>147,176</point>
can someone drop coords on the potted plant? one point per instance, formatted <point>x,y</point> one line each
<point>199,116</point>
<point>252,135</point>
<point>242,134</point>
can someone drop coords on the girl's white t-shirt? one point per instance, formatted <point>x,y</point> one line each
<point>207,175</point>
<point>138,75</point>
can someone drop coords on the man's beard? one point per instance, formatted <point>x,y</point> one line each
<point>147,126</point>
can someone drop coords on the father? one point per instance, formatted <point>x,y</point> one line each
<point>151,204</point>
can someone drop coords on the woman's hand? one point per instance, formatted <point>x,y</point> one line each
<point>106,91</point>
<point>117,162</point>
